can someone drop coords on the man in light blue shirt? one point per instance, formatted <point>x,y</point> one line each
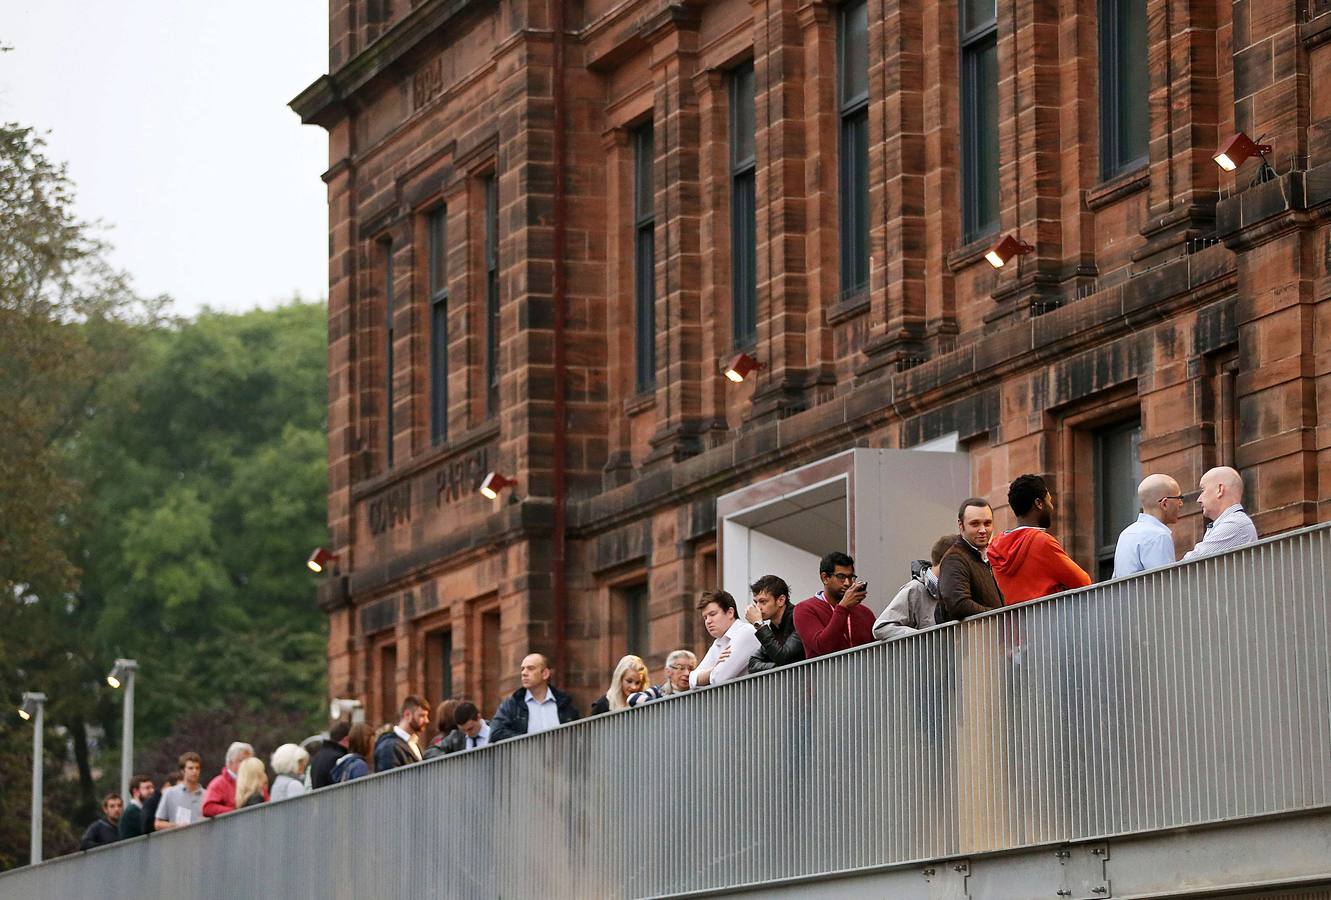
<point>1148,543</point>
<point>535,707</point>
<point>1222,503</point>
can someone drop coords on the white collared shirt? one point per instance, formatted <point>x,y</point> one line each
<point>1145,544</point>
<point>410,739</point>
<point>1232,528</point>
<point>483,736</point>
<point>542,715</point>
<point>743,643</point>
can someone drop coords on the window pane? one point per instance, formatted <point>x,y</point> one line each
<point>854,202</point>
<point>492,293</point>
<point>635,620</point>
<point>439,370</point>
<point>744,259</point>
<point>976,14</point>
<point>1117,474</point>
<point>741,116</point>
<point>979,138</point>
<point>438,258</point>
<point>645,307</point>
<point>644,155</point>
<point>1132,81</point>
<point>853,52</point>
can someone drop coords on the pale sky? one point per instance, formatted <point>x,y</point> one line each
<point>172,117</point>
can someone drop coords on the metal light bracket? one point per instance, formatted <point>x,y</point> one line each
<point>1082,867</point>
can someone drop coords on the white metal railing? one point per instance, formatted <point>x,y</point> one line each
<point>1192,694</point>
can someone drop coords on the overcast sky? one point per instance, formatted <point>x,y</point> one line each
<point>172,117</point>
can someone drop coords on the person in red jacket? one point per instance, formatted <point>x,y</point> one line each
<point>221,794</point>
<point>1028,561</point>
<point>835,618</point>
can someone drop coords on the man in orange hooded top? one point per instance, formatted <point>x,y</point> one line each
<point>1028,561</point>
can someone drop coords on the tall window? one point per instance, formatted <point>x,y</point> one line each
<point>743,210</point>
<point>386,247</point>
<point>437,230</point>
<point>853,145</point>
<point>979,118</point>
<point>635,621</point>
<point>1123,87</point>
<point>644,258</point>
<point>1118,471</point>
<point>492,294</point>
<point>439,664</point>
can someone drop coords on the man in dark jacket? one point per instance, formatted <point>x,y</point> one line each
<point>472,732</point>
<point>779,642</point>
<point>141,790</point>
<point>401,746</point>
<point>966,585</point>
<point>330,751</point>
<point>536,706</point>
<point>104,830</point>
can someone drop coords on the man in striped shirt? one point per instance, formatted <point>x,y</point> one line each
<point>1222,503</point>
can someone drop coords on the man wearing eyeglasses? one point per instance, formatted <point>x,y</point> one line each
<point>679,666</point>
<point>835,618</point>
<point>1148,543</point>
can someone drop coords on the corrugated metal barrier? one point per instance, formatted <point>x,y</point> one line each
<point>1193,694</point>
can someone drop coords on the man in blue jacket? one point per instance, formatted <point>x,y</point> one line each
<point>534,707</point>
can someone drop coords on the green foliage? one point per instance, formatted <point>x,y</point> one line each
<point>161,482</point>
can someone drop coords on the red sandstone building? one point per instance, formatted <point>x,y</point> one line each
<point>551,225</point>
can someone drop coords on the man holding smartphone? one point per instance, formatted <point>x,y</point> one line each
<point>835,618</point>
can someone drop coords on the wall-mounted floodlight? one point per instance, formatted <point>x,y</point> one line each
<point>319,559</point>
<point>1237,150</point>
<point>33,708</point>
<point>740,367</point>
<point>1006,249</point>
<point>494,483</point>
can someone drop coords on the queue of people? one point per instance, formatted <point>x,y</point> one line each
<point>968,572</point>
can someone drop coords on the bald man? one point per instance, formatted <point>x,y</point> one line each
<point>536,706</point>
<point>1148,543</point>
<point>1222,503</point>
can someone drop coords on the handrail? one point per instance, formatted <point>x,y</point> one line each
<point>1192,694</point>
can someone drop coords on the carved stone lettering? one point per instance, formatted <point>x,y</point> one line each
<point>391,508</point>
<point>427,83</point>
<point>461,477</point>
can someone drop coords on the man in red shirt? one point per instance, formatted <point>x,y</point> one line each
<point>1028,561</point>
<point>835,618</point>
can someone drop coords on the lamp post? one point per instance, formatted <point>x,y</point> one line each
<point>123,673</point>
<point>34,707</point>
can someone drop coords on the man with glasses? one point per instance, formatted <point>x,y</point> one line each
<point>1148,543</point>
<point>835,618</point>
<point>679,666</point>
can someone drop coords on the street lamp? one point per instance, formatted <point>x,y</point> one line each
<point>34,707</point>
<point>123,673</point>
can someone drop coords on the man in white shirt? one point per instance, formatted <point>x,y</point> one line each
<point>1148,543</point>
<point>1222,503</point>
<point>734,641</point>
<point>402,745</point>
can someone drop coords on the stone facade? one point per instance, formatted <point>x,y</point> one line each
<point>1175,296</point>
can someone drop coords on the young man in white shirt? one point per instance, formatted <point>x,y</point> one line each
<point>733,644</point>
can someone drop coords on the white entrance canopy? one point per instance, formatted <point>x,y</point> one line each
<point>883,507</point>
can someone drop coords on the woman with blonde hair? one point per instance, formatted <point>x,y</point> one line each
<point>289,762</point>
<point>629,678</point>
<point>251,783</point>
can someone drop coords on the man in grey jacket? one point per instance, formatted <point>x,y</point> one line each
<point>916,605</point>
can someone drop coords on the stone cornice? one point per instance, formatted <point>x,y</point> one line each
<point>324,102</point>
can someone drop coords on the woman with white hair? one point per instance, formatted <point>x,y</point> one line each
<point>629,678</point>
<point>289,762</point>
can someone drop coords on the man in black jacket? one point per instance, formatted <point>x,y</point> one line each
<point>472,732</point>
<point>779,642</point>
<point>330,751</point>
<point>536,706</point>
<point>402,745</point>
<point>104,830</point>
